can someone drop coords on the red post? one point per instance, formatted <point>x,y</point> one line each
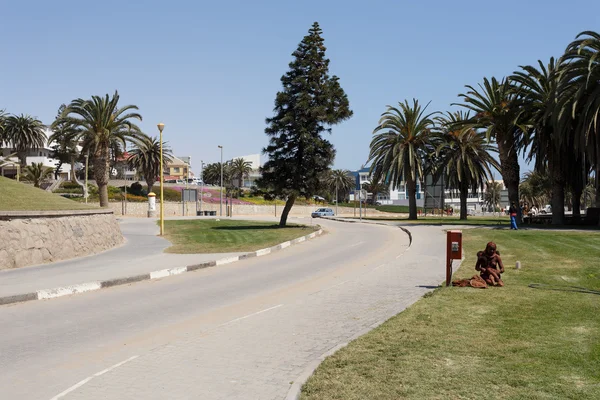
<point>453,252</point>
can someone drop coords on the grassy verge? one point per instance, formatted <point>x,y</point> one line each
<point>396,209</point>
<point>17,196</point>
<point>499,343</point>
<point>211,236</point>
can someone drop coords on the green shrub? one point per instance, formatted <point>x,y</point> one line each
<point>69,185</point>
<point>137,189</point>
<point>395,209</point>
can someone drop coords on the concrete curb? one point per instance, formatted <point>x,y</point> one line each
<point>296,389</point>
<point>43,294</point>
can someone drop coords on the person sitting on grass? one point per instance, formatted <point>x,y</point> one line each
<point>489,264</point>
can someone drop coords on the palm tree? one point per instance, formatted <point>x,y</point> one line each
<point>398,150</point>
<point>2,121</point>
<point>37,173</point>
<point>211,175</point>
<point>24,133</point>
<point>64,141</point>
<point>538,188</point>
<point>539,91</point>
<point>102,123</point>
<point>497,110</point>
<point>375,187</point>
<point>464,157</point>
<point>241,169</point>
<point>340,180</point>
<point>582,76</point>
<point>491,197</point>
<point>145,158</point>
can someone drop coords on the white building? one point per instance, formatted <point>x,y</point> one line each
<point>35,155</point>
<point>255,164</point>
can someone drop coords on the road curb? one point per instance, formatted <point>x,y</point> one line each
<point>44,294</point>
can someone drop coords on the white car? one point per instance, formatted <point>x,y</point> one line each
<point>323,212</point>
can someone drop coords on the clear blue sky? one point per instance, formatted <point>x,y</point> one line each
<point>210,70</point>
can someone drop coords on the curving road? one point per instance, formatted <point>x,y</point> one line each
<point>246,330</point>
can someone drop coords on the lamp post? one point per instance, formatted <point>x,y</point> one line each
<point>85,190</point>
<point>161,126</point>
<point>201,183</point>
<point>221,189</point>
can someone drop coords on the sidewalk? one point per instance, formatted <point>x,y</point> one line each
<point>142,253</point>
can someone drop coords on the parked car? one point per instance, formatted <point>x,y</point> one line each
<point>323,212</point>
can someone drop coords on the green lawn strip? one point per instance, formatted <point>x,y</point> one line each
<point>497,343</point>
<point>18,196</point>
<point>225,236</point>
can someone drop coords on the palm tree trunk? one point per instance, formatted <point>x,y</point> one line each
<point>464,191</point>
<point>577,192</point>
<point>150,183</point>
<point>510,170</point>
<point>558,189</point>
<point>411,186</point>
<point>73,177</point>
<point>286,209</point>
<point>101,159</point>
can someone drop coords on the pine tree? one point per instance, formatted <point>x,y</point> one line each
<point>309,104</point>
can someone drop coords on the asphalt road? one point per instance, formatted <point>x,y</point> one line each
<point>244,330</point>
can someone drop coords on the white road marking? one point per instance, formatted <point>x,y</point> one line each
<point>262,252</point>
<point>379,266</point>
<point>67,290</point>
<point>227,260</point>
<point>86,380</point>
<point>250,315</point>
<point>285,244</point>
<point>356,244</point>
<point>167,272</point>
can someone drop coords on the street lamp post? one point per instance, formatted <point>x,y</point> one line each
<point>85,189</point>
<point>221,189</point>
<point>161,126</point>
<point>201,183</point>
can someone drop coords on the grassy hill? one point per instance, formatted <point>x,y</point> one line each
<point>16,196</point>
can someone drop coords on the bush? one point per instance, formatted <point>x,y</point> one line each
<point>137,189</point>
<point>69,185</point>
<point>169,194</point>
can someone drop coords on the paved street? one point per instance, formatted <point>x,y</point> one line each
<point>239,331</point>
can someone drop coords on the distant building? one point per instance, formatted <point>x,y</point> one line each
<point>396,196</point>
<point>177,168</point>
<point>35,155</point>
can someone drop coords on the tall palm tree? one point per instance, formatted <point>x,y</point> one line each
<point>64,141</point>
<point>491,196</point>
<point>340,180</point>
<point>37,173</point>
<point>241,169</point>
<point>497,110</point>
<point>145,158</point>
<point>464,156</point>
<point>24,132</point>
<point>102,123</point>
<point>400,144</point>
<point>582,75</point>
<point>539,91</point>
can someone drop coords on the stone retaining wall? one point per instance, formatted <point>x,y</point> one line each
<point>30,238</point>
<point>175,209</point>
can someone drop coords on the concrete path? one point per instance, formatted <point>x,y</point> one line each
<point>247,330</point>
<point>141,253</point>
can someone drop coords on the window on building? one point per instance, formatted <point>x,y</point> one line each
<point>40,153</point>
<point>364,178</point>
<point>176,170</point>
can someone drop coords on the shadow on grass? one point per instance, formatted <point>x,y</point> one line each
<point>257,227</point>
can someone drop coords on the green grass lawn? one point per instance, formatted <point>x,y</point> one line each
<point>17,196</point>
<point>224,236</point>
<point>497,343</point>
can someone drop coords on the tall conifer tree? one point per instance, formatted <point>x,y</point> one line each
<point>309,104</point>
